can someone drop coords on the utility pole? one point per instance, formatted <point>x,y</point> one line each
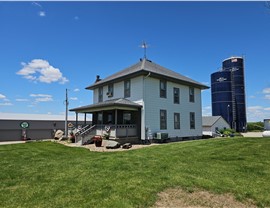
<point>66,119</point>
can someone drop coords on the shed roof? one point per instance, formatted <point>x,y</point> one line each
<point>145,67</point>
<point>210,120</point>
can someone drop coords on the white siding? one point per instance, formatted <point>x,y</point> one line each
<point>220,124</point>
<point>153,105</point>
<point>145,91</point>
<point>118,90</point>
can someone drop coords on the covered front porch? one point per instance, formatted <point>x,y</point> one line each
<point>116,119</point>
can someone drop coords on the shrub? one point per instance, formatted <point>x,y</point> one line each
<point>255,126</point>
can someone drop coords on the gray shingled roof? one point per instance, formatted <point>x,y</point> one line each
<point>144,67</point>
<point>210,120</point>
<point>119,102</point>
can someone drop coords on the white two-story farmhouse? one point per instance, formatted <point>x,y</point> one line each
<point>145,99</point>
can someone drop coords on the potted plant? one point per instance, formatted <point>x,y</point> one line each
<point>72,137</point>
<point>97,140</point>
<point>106,136</point>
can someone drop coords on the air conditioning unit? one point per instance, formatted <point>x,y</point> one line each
<point>162,135</point>
<point>109,94</point>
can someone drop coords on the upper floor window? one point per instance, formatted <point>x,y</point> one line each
<point>163,88</point>
<point>127,88</point>
<point>176,95</point>
<point>176,120</point>
<point>191,94</point>
<point>192,120</point>
<point>110,90</point>
<point>100,94</point>
<point>163,119</point>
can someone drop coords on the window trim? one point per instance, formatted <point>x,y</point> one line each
<point>127,90</point>
<point>163,92</point>
<point>192,120</point>
<point>192,94</point>
<point>177,123</point>
<point>176,95</point>
<point>110,90</point>
<point>163,123</point>
<point>100,94</point>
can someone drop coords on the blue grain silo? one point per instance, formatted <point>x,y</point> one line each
<point>228,93</point>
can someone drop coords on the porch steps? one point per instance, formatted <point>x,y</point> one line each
<point>85,134</point>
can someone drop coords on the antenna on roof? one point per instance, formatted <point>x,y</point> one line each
<point>144,45</point>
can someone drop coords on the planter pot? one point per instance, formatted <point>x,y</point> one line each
<point>98,143</point>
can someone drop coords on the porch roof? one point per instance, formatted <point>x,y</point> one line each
<point>119,103</point>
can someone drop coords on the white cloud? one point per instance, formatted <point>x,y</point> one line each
<point>205,83</point>
<point>207,111</point>
<point>2,96</point>
<point>255,108</point>
<point>42,14</point>
<point>6,104</point>
<point>257,113</point>
<point>76,90</point>
<point>267,97</point>
<point>266,91</point>
<point>21,100</point>
<point>36,4</point>
<point>73,98</point>
<point>39,70</point>
<point>42,97</point>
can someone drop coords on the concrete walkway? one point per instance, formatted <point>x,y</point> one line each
<point>252,134</point>
<point>11,142</point>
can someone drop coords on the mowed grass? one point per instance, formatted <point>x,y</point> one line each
<point>47,174</point>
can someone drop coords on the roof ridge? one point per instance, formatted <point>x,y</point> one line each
<point>145,65</point>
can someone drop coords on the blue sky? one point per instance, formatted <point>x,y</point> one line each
<point>46,47</point>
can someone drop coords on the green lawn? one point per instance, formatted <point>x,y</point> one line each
<point>47,174</point>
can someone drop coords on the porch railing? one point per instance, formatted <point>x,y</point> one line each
<point>116,131</point>
<point>86,133</point>
<point>129,130</point>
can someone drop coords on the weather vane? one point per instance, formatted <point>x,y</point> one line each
<point>144,45</point>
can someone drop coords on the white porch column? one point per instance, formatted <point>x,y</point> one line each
<point>115,122</point>
<point>76,120</point>
<point>143,121</point>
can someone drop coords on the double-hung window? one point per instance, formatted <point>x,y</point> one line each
<point>127,88</point>
<point>176,95</point>
<point>110,90</point>
<point>163,119</point>
<point>163,89</point>
<point>191,95</point>
<point>192,120</point>
<point>176,120</point>
<point>100,94</point>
